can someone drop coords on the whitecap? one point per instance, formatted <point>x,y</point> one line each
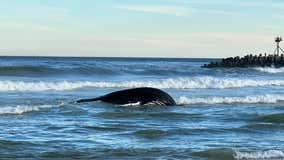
<point>270,69</point>
<point>20,109</point>
<point>175,83</point>
<point>270,154</point>
<point>252,99</point>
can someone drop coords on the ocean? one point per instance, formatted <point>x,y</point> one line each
<point>222,114</point>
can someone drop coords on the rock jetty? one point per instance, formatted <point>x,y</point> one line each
<point>249,61</point>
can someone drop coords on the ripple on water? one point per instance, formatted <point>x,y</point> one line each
<point>142,153</point>
<point>17,149</point>
<point>104,128</point>
<point>114,115</point>
<point>273,118</point>
<point>272,121</point>
<point>55,128</point>
<point>74,154</point>
<point>107,153</point>
<point>162,133</point>
<point>8,144</point>
<point>152,115</point>
<point>151,133</point>
<point>263,127</point>
<point>216,154</point>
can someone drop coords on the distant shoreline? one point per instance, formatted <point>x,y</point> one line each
<point>109,58</point>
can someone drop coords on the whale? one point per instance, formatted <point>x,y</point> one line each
<point>138,96</point>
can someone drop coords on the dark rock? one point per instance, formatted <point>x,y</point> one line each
<point>249,61</point>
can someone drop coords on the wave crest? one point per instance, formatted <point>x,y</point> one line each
<point>255,99</point>
<point>270,69</point>
<point>270,154</point>
<point>22,109</point>
<point>178,83</point>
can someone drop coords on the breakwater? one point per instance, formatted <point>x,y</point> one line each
<point>260,60</point>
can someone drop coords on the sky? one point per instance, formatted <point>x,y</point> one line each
<point>139,28</point>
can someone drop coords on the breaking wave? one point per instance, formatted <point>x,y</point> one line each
<point>270,69</point>
<point>178,83</point>
<point>224,153</point>
<point>254,99</point>
<point>20,109</point>
<point>270,154</point>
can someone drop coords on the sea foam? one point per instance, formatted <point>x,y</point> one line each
<point>176,83</point>
<point>270,154</point>
<point>270,69</point>
<point>20,109</point>
<point>253,99</point>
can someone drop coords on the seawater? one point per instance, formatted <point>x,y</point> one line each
<point>235,113</point>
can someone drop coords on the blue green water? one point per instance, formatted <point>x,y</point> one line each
<point>221,113</point>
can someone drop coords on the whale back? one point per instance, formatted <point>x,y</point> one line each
<point>143,96</point>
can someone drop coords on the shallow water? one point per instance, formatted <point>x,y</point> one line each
<point>222,113</point>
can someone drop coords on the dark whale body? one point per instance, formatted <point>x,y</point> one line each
<point>141,96</point>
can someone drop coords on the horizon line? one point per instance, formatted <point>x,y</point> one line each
<point>127,57</point>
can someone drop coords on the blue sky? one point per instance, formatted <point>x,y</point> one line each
<point>139,28</point>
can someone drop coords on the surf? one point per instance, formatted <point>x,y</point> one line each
<point>21,109</point>
<point>270,69</point>
<point>207,82</point>
<point>250,99</point>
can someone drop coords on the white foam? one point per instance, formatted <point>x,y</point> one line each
<point>270,154</point>
<point>270,69</point>
<point>178,83</point>
<point>254,99</point>
<point>22,109</point>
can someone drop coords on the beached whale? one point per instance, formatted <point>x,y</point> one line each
<point>139,96</point>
